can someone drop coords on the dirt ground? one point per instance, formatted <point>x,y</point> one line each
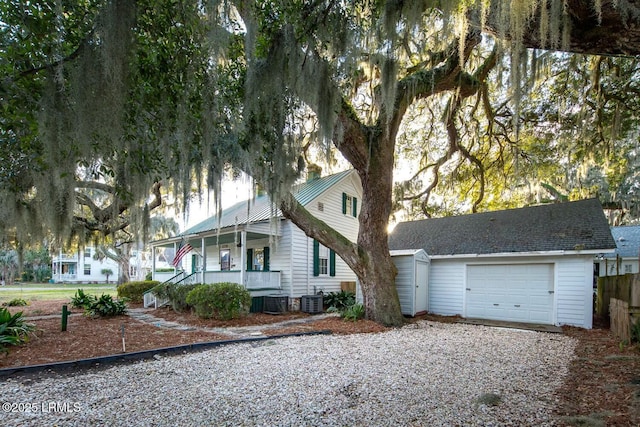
<point>603,387</point>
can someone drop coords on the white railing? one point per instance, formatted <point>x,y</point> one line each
<point>262,280</point>
<point>253,279</point>
<point>65,257</point>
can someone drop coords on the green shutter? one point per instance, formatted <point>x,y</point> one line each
<point>354,211</point>
<point>344,203</point>
<point>266,258</point>
<point>316,258</point>
<point>249,259</point>
<point>332,263</point>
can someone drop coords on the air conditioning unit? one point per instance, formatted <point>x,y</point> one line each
<point>275,304</point>
<point>311,304</point>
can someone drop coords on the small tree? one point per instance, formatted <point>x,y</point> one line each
<point>106,272</point>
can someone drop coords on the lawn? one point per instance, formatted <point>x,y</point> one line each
<point>48,291</point>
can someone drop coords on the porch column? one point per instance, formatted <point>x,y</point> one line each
<point>153,262</point>
<point>204,259</point>
<point>175,251</point>
<point>243,256</point>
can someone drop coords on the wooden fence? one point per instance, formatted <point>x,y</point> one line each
<point>619,298</point>
<point>620,319</point>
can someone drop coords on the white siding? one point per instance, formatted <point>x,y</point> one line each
<point>574,291</point>
<point>573,298</point>
<point>446,286</point>
<point>331,201</point>
<point>303,280</point>
<point>405,282</point>
<point>301,262</point>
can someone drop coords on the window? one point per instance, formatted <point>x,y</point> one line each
<point>87,253</point>
<point>349,205</point>
<point>87,269</point>
<point>627,268</point>
<point>225,259</point>
<point>258,259</point>
<point>324,260</point>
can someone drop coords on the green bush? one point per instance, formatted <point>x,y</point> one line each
<point>106,306</point>
<point>354,312</point>
<point>134,291</point>
<point>16,302</point>
<point>13,329</point>
<point>175,293</point>
<point>339,300</point>
<point>222,301</point>
<point>82,300</point>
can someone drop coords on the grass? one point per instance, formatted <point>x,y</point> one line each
<point>48,291</point>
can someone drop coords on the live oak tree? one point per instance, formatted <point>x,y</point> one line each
<point>139,94</point>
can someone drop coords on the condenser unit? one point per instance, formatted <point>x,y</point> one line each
<point>311,304</point>
<point>275,304</point>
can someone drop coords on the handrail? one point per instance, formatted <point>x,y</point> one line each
<point>170,280</point>
<point>184,278</point>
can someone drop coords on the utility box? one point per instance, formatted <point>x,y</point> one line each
<point>275,304</point>
<point>311,304</point>
<point>257,305</point>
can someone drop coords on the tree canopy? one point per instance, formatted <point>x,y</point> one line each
<point>107,103</point>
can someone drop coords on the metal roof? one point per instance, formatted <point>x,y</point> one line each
<point>261,209</point>
<point>627,240</point>
<point>568,226</point>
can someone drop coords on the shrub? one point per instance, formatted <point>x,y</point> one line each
<point>354,312</point>
<point>16,302</point>
<point>106,306</point>
<point>222,301</point>
<point>13,329</point>
<point>134,291</point>
<point>175,293</point>
<point>82,300</point>
<point>340,300</point>
<point>178,296</point>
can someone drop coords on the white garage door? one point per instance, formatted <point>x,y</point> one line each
<point>517,293</point>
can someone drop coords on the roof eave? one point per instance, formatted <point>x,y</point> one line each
<point>525,254</point>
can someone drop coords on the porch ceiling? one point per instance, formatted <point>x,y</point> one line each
<point>217,239</point>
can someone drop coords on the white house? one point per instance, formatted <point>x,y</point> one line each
<point>252,244</point>
<point>81,267</point>
<point>533,264</point>
<point>626,256</point>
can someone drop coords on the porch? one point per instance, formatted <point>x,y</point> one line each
<point>239,255</point>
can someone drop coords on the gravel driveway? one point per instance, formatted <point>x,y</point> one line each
<point>427,374</point>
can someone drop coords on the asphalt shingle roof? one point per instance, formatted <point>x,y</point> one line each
<point>627,241</point>
<point>261,208</point>
<point>555,227</point>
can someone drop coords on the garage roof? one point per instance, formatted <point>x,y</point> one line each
<point>567,226</point>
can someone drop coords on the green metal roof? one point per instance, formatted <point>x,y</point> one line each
<point>261,208</point>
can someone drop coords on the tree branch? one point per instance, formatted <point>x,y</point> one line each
<point>321,231</point>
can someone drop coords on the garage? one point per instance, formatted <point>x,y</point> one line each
<point>510,292</point>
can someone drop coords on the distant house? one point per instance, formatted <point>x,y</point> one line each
<point>82,267</point>
<point>250,243</point>
<point>625,258</point>
<point>533,264</point>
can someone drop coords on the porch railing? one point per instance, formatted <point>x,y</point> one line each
<point>254,280</point>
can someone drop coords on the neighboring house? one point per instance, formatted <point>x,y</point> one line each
<point>625,259</point>
<point>252,244</point>
<point>532,264</point>
<point>81,267</point>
